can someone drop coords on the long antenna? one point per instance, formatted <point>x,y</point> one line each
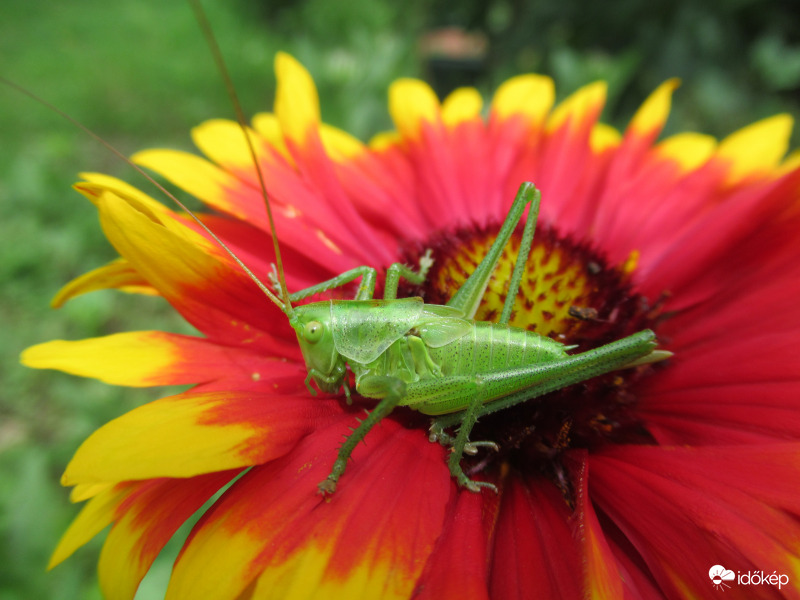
<point>222,67</point>
<point>158,186</point>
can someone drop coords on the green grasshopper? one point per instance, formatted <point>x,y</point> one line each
<point>436,359</point>
<point>432,358</point>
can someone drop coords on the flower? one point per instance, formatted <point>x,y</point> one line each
<point>630,485</point>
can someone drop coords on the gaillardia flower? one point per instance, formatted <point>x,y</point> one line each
<point>631,485</point>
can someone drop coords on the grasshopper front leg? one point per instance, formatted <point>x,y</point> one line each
<point>392,390</point>
<point>368,275</point>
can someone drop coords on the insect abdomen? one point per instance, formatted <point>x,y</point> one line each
<point>491,348</point>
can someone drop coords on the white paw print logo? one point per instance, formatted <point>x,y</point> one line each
<point>719,575</point>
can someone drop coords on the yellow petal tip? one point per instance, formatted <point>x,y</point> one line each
<point>586,103</point>
<point>296,99</point>
<point>653,113</point>
<point>756,150</point>
<point>531,96</point>
<point>411,103</point>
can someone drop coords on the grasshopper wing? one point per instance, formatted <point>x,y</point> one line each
<point>364,329</point>
<point>444,330</point>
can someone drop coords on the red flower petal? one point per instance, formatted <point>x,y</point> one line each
<point>686,509</point>
<point>370,539</point>
<point>535,554</point>
<point>459,565</point>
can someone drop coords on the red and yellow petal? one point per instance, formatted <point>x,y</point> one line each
<point>444,171</point>
<point>412,104</point>
<point>118,274</point>
<point>283,540</point>
<point>194,433</point>
<point>98,513</point>
<point>756,151</point>
<point>205,285</point>
<point>144,521</point>
<point>563,150</point>
<point>147,358</point>
<point>519,110</point>
<point>297,110</point>
<point>689,150</point>
<point>647,181</point>
<point>526,97</point>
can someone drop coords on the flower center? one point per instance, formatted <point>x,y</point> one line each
<point>570,293</point>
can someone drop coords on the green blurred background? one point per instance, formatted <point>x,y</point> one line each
<point>139,74</point>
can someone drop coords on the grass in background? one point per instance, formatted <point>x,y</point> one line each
<point>140,75</point>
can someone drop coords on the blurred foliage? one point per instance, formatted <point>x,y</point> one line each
<point>139,74</point>
<point>739,59</point>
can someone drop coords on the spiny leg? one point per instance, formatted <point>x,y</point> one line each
<point>522,257</point>
<point>470,294</point>
<point>548,377</point>
<point>398,270</point>
<point>368,275</point>
<point>365,291</point>
<point>392,390</point>
<point>462,445</point>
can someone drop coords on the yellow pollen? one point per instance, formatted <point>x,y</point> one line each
<point>630,264</point>
<point>555,280</point>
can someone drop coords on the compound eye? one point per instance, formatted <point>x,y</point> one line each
<point>312,332</point>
